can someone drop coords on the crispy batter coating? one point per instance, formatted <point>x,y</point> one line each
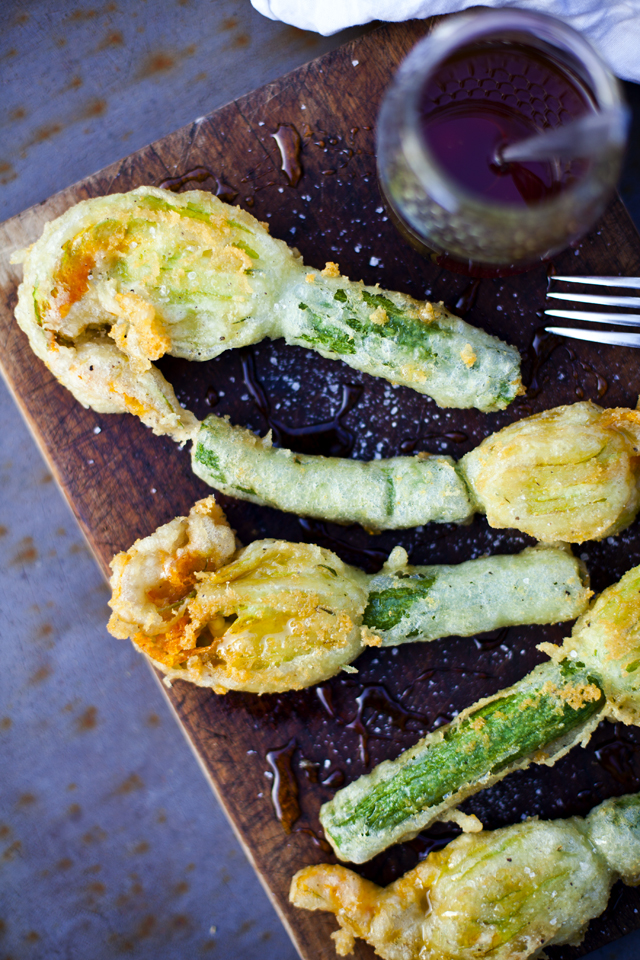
<point>607,639</point>
<point>592,676</point>
<point>116,282</point>
<point>278,616</point>
<point>570,474</point>
<point>152,579</point>
<point>499,895</point>
<point>270,617</point>
<point>565,475</point>
<point>397,493</point>
<point>542,584</point>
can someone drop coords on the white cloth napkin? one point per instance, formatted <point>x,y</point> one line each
<point>613,26</point>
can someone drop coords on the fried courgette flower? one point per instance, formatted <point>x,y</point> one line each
<point>593,676</point>
<point>269,617</point>
<point>277,616</point>
<point>153,580</point>
<point>568,474</point>
<point>117,282</point>
<point>571,473</point>
<point>498,895</point>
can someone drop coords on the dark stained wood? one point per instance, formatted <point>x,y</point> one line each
<point>123,482</point>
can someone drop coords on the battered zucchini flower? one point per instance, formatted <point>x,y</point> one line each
<point>116,282</point>
<point>565,475</point>
<point>607,639</point>
<point>499,895</point>
<point>593,676</point>
<point>277,616</point>
<point>282,616</point>
<point>571,473</point>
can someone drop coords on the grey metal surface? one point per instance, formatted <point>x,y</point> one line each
<point>85,83</point>
<point>110,840</point>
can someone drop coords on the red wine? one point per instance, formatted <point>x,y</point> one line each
<point>489,95</point>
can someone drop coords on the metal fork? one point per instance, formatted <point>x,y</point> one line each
<point>616,337</point>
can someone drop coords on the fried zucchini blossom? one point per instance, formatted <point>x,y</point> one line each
<point>565,475</point>
<point>277,616</point>
<point>269,617</point>
<point>495,895</point>
<point>571,473</point>
<point>593,676</point>
<point>117,282</point>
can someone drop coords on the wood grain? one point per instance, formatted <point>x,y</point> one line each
<point>122,482</point>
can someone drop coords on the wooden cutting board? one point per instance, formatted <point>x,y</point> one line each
<point>273,760</point>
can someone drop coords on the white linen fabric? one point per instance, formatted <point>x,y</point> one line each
<point>613,26</point>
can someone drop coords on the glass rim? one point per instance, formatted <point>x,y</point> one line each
<point>467,28</point>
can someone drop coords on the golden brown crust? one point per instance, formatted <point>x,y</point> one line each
<point>568,474</point>
<point>152,579</point>
<point>607,639</point>
<point>271,617</point>
<point>498,895</point>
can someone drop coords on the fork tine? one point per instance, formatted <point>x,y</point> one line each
<point>594,316</point>
<point>616,338</point>
<point>631,283</point>
<point>597,298</point>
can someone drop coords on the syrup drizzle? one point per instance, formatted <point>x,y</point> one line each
<point>335,778</point>
<point>376,697</point>
<point>461,671</point>
<point>199,175</point>
<point>369,560</point>
<point>329,438</point>
<point>492,639</point>
<point>468,297</point>
<point>224,191</point>
<point>310,769</point>
<point>577,363</point>
<point>431,840</point>
<point>289,145</point>
<point>318,838</point>
<point>373,697</point>
<point>325,696</point>
<point>284,790</point>
<point>542,348</point>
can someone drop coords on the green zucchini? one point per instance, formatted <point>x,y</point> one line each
<point>539,585</point>
<point>380,494</point>
<point>401,797</point>
<point>539,719</point>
